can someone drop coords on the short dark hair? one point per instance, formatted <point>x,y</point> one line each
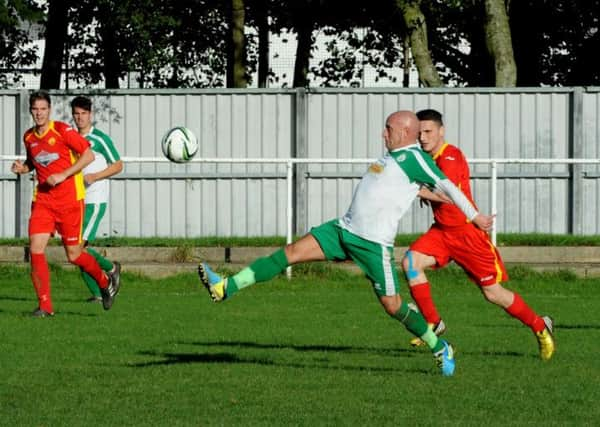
<point>39,94</point>
<point>82,102</point>
<point>433,115</point>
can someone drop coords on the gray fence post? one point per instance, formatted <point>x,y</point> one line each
<point>575,220</point>
<point>23,184</point>
<point>300,150</point>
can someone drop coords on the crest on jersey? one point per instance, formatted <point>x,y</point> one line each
<point>51,141</point>
<point>44,158</point>
<point>401,157</point>
<point>376,167</point>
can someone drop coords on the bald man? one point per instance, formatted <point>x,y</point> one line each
<point>366,233</point>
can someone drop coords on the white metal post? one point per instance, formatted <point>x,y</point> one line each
<point>290,208</point>
<point>494,195</point>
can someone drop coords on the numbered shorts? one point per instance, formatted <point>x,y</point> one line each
<point>374,259</point>
<point>469,247</point>
<point>64,219</point>
<point>94,212</point>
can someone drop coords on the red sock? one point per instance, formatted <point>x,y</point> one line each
<point>89,264</point>
<point>40,277</point>
<point>421,294</point>
<point>525,314</point>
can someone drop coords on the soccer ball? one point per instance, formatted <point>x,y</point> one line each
<point>179,144</point>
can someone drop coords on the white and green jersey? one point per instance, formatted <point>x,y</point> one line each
<point>105,153</point>
<point>389,188</point>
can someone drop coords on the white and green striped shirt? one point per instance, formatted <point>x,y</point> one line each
<point>105,153</point>
<point>388,189</point>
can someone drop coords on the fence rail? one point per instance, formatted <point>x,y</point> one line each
<point>290,162</point>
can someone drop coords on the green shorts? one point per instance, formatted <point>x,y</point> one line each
<point>376,260</point>
<point>94,212</point>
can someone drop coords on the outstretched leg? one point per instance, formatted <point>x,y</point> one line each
<point>262,269</point>
<point>515,306</point>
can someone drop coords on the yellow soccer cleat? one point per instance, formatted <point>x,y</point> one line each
<point>437,329</point>
<point>214,284</point>
<point>546,339</point>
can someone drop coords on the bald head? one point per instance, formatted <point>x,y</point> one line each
<point>401,129</point>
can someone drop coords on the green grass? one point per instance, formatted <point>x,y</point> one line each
<point>507,239</point>
<point>316,350</point>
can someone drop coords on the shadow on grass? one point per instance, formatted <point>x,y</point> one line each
<point>560,327</point>
<point>517,325</point>
<point>73,314</point>
<point>11,298</point>
<point>230,358</point>
<point>306,348</point>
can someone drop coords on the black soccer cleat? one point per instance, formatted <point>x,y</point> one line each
<point>109,293</point>
<point>116,276</point>
<point>38,312</point>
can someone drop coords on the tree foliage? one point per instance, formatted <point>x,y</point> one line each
<point>165,43</point>
<point>16,51</point>
<point>184,43</point>
<point>556,41</point>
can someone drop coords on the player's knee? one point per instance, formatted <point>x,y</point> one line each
<point>391,304</point>
<point>73,256</point>
<point>73,259</point>
<point>490,294</point>
<point>410,265</point>
<point>498,294</point>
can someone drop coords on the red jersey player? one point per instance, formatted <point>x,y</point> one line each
<point>57,153</point>
<point>453,238</point>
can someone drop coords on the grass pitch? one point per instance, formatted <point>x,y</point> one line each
<point>317,350</point>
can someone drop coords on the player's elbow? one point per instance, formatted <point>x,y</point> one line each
<point>118,166</point>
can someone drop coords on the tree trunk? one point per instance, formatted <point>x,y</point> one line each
<point>263,43</point>
<point>236,64</point>
<point>417,33</point>
<point>499,43</point>
<point>56,38</point>
<point>405,62</point>
<point>112,62</point>
<point>304,27</point>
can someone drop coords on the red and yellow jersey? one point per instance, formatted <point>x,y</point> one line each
<point>453,163</point>
<point>53,152</point>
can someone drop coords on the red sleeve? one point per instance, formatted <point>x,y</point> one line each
<point>73,139</point>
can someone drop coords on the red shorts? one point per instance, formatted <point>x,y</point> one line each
<point>66,220</point>
<point>469,247</point>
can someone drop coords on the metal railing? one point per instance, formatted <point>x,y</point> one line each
<point>290,162</point>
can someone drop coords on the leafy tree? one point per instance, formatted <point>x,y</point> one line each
<point>161,40</point>
<point>558,46</point>
<point>15,48</point>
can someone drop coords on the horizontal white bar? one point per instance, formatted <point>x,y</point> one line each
<point>129,159</point>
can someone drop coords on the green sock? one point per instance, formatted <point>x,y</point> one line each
<point>260,270</point>
<point>105,264</point>
<point>416,324</point>
<point>91,284</point>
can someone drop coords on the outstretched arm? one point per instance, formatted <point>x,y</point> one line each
<point>111,169</point>
<point>427,195</point>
